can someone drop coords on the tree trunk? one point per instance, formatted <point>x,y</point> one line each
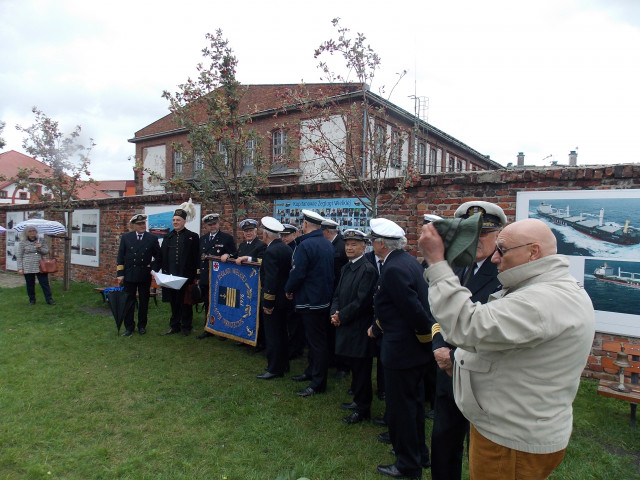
<point>66,278</point>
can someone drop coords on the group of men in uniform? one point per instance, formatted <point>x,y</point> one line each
<point>417,313</point>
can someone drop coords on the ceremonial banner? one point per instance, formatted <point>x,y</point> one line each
<point>234,301</point>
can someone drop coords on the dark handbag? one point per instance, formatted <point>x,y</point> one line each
<point>192,295</point>
<point>48,265</point>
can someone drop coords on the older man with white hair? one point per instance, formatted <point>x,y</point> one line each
<point>520,356</point>
<point>402,313</point>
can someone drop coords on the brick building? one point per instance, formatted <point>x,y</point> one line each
<point>278,118</point>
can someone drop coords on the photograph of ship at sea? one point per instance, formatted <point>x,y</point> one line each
<point>592,227</point>
<point>613,286</point>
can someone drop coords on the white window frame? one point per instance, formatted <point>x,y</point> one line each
<point>279,143</point>
<point>250,152</point>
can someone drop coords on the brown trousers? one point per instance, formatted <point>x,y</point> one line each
<point>490,461</point>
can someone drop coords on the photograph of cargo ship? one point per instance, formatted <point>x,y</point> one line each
<point>160,219</point>
<point>90,223</point>
<point>89,246</point>
<point>601,227</point>
<point>614,286</point>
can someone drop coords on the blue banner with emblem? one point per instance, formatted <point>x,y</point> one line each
<point>234,301</point>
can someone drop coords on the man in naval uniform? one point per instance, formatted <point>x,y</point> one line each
<point>449,425</point>
<point>274,273</point>
<point>213,243</point>
<point>402,313</point>
<point>295,326</point>
<point>310,284</point>
<point>135,252</point>
<point>180,257</point>
<point>252,248</point>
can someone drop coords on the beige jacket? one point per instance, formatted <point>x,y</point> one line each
<point>521,355</point>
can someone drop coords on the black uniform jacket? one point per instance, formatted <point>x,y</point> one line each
<point>401,309</point>
<point>274,273</point>
<point>180,254</point>
<point>353,300</point>
<point>481,285</point>
<point>254,250</point>
<point>134,256</point>
<point>222,243</point>
<point>340,258</point>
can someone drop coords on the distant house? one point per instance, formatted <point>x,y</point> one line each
<point>430,149</point>
<point>12,161</point>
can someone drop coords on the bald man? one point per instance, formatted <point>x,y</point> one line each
<point>520,356</point>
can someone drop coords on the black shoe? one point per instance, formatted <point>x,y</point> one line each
<point>307,392</point>
<point>349,406</point>
<point>393,472</point>
<point>268,376</point>
<point>340,374</point>
<point>423,463</point>
<point>142,330</point>
<point>204,334</point>
<point>301,378</point>
<point>356,417</point>
<point>32,302</point>
<point>384,438</point>
<point>51,302</point>
<point>127,333</point>
<point>171,331</point>
<point>379,422</point>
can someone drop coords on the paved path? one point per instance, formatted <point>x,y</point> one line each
<point>11,280</point>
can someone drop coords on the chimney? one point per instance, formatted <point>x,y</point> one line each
<point>573,158</point>
<point>520,159</point>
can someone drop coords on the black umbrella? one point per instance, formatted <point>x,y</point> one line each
<point>117,299</point>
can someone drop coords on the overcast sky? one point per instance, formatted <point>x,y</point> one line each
<point>542,77</point>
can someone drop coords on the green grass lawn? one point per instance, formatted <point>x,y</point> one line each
<point>79,402</point>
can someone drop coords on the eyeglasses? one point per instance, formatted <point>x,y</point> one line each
<point>502,251</point>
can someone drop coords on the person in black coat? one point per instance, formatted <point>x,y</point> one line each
<point>274,273</point>
<point>402,313</point>
<point>351,315</point>
<point>135,253</point>
<point>295,327</point>
<point>180,253</point>
<point>252,248</point>
<point>214,243</point>
<point>449,426</point>
<point>331,233</point>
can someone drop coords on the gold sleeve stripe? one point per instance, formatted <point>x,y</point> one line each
<point>120,267</point>
<point>424,338</point>
<point>269,296</point>
<point>435,329</point>
<point>379,326</point>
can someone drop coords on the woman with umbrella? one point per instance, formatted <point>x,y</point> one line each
<point>30,251</point>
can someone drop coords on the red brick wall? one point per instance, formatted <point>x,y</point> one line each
<point>438,193</point>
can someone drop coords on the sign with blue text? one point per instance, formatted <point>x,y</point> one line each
<point>347,212</point>
<point>234,301</point>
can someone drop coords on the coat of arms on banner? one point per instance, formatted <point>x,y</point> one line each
<point>234,301</point>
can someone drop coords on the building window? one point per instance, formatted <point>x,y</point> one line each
<point>177,163</point>
<point>23,195</point>
<point>452,163</point>
<point>458,165</point>
<point>395,158</point>
<point>379,141</point>
<point>279,144</point>
<point>222,150</point>
<point>198,163</point>
<point>250,152</point>
<point>422,158</point>
<point>3,194</point>
<point>433,160</point>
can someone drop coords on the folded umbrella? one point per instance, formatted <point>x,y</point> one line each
<point>117,299</point>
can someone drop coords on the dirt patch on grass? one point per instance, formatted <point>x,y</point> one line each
<point>104,311</point>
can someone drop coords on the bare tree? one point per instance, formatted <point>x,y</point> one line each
<point>350,136</point>
<point>66,169</point>
<point>225,153</point>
